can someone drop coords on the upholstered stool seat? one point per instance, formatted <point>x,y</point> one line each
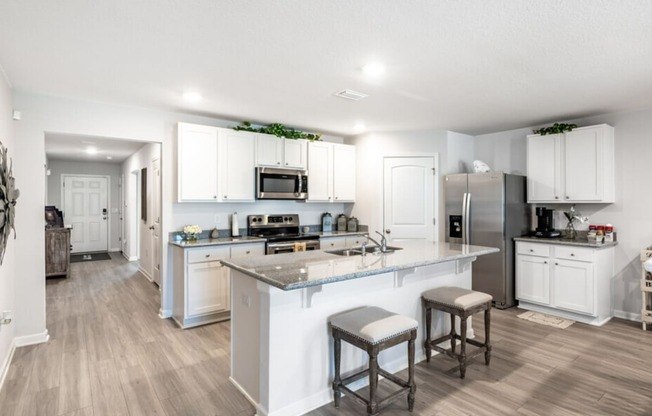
<point>460,302</point>
<point>373,329</point>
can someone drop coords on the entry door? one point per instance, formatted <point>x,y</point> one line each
<point>156,221</point>
<point>409,197</point>
<point>86,209</point>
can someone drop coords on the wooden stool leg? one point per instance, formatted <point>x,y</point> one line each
<point>487,341</point>
<point>337,381</point>
<point>462,356</point>
<point>372,407</point>
<point>452,333</point>
<point>428,333</point>
<point>411,383</point>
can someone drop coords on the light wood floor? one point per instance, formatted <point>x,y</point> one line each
<point>110,354</point>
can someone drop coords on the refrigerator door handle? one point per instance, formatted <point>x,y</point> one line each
<point>467,220</point>
<point>464,218</point>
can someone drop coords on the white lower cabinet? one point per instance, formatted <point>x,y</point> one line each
<point>332,243</point>
<point>202,285</point>
<point>572,282</point>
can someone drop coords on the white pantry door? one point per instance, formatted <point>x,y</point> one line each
<point>156,221</point>
<point>409,197</point>
<point>85,207</point>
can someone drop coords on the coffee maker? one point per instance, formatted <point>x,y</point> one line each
<point>545,223</point>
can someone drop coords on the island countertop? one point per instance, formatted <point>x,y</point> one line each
<point>312,268</point>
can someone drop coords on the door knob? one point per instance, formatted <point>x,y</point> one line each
<point>388,231</point>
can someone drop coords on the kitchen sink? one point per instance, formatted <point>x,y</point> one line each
<point>357,251</point>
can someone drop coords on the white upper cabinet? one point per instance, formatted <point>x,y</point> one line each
<point>197,163</point>
<point>215,164</point>
<point>576,166</point>
<point>343,173</point>
<point>331,172</point>
<point>281,153</point>
<point>236,165</point>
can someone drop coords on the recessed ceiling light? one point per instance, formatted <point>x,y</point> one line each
<point>91,150</point>
<point>373,70</point>
<point>359,127</point>
<point>192,96</point>
<point>109,157</point>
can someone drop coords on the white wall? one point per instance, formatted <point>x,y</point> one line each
<point>630,214</point>
<point>460,152</point>
<point>43,114</point>
<point>112,170</point>
<point>8,268</point>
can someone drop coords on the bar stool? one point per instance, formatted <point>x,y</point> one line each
<point>373,329</point>
<point>463,303</point>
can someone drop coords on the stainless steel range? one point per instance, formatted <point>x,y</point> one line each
<point>282,233</point>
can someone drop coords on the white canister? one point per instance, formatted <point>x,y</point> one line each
<point>235,231</point>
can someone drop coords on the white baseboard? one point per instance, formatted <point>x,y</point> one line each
<point>4,369</point>
<point>144,273</point>
<point>32,339</point>
<point>630,316</point>
<point>129,258</point>
<point>165,313</point>
<point>259,411</point>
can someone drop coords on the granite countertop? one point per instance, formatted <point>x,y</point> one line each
<point>326,234</point>
<point>203,242</point>
<point>312,268</point>
<point>581,242</point>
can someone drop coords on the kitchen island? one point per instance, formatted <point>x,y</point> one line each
<point>281,349</point>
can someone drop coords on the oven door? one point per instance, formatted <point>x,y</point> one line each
<point>281,184</point>
<point>289,246</point>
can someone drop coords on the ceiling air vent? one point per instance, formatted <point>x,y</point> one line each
<point>351,95</point>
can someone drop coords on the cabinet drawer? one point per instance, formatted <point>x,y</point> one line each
<point>243,250</point>
<point>332,243</point>
<point>574,253</point>
<point>533,249</point>
<point>196,255</point>
<point>355,241</point>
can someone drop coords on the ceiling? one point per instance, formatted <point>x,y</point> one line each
<point>467,66</point>
<point>75,147</point>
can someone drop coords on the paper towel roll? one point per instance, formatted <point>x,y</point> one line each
<point>235,231</point>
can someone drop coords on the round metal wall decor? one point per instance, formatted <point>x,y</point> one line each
<point>8,196</point>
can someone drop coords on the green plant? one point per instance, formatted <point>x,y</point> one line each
<point>555,129</point>
<point>278,130</point>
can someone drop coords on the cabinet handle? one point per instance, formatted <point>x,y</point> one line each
<point>556,197</point>
<point>556,264</point>
<point>208,255</point>
<point>278,163</point>
<point>531,251</point>
<point>286,163</point>
<point>214,196</point>
<point>545,262</point>
<point>329,197</point>
<point>248,252</point>
<point>336,197</point>
<point>572,254</point>
<point>225,196</point>
<point>567,197</point>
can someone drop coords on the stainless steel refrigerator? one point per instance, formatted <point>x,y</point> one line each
<point>488,209</point>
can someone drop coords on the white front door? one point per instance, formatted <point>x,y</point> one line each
<point>156,221</point>
<point>85,207</point>
<point>409,197</point>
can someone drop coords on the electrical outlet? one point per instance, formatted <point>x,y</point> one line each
<point>246,300</point>
<point>5,317</point>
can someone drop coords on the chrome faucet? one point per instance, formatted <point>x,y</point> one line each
<point>382,244</point>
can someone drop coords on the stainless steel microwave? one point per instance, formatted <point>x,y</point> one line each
<point>272,183</point>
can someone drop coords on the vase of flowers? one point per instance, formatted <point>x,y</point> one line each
<point>573,216</point>
<point>191,232</point>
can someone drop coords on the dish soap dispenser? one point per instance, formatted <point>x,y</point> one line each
<point>235,231</point>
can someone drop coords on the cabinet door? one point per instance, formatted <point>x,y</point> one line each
<point>343,173</point>
<point>332,243</point>
<point>320,171</point>
<point>584,164</point>
<point>269,150</point>
<point>533,279</point>
<point>207,288</point>
<point>573,286</point>
<point>295,153</point>
<point>544,168</point>
<point>236,166</point>
<point>197,163</point>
